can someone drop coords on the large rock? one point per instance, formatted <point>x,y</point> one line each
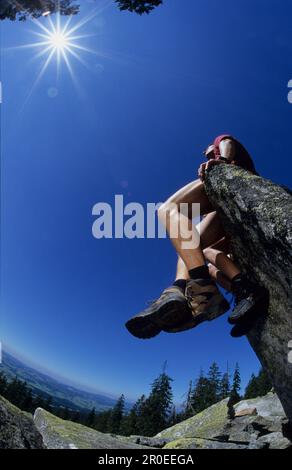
<point>267,406</point>
<point>209,424</point>
<point>275,440</point>
<point>212,429</point>
<point>258,215</point>
<point>60,434</point>
<point>17,429</point>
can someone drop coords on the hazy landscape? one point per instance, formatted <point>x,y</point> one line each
<point>62,394</point>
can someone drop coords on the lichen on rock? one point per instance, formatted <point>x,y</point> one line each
<point>17,429</point>
<point>257,214</point>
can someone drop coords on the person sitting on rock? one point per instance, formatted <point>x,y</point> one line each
<point>194,296</point>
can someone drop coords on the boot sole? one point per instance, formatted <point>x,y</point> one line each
<point>150,325</point>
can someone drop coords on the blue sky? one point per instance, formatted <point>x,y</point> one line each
<point>158,90</point>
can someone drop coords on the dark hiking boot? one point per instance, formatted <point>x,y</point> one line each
<point>164,312</point>
<point>205,304</point>
<point>244,325</point>
<point>248,298</point>
<point>241,328</point>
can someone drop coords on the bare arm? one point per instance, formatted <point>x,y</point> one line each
<point>227,149</point>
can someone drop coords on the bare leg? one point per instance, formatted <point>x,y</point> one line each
<point>219,259</point>
<point>181,270</point>
<point>171,216</point>
<point>219,277</point>
<point>210,230</point>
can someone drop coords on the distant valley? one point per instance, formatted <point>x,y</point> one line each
<point>62,394</point>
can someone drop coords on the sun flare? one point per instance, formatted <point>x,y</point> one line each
<point>59,41</point>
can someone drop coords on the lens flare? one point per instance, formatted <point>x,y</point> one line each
<point>59,41</point>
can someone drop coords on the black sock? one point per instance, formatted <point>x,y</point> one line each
<point>241,279</point>
<point>180,283</point>
<point>202,272</point>
<point>238,277</point>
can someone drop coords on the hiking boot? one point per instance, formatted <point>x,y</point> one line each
<point>164,312</point>
<point>247,297</point>
<point>205,304</point>
<point>241,328</point>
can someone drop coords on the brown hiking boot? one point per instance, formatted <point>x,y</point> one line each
<point>205,301</point>
<point>168,310</point>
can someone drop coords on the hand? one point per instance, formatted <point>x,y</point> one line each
<point>206,166</point>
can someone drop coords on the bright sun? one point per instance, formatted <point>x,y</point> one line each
<point>59,41</point>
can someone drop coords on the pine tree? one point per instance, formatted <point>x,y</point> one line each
<point>102,421</point>
<point>235,392</point>
<point>117,415</point>
<point>15,392</point>
<point>3,384</point>
<point>188,410</point>
<point>213,391</point>
<point>138,6</point>
<point>173,417</point>
<point>39,402</point>
<point>76,417</point>
<point>258,385</point>
<point>90,421</point>
<point>251,390</point>
<point>225,386</point>
<point>129,422</point>
<point>199,394</point>
<point>28,402</point>
<point>141,413</point>
<point>156,409</point>
<point>65,413</point>
<point>236,383</point>
<point>265,384</point>
<point>23,9</point>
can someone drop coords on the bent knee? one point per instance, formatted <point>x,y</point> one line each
<point>167,208</point>
<point>209,254</point>
<point>212,270</point>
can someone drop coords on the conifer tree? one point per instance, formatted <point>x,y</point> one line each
<point>225,386</point>
<point>213,390</point>
<point>90,421</point>
<point>141,414</point>
<point>117,415</point>
<point>236,383</point>
<point>235,392</point>
<point>102,421</point>
<point>28,402</point>
<point>199,395</point>
<point>157,406</point>
<point>188,407</point>
<point>173,417</point>
<point>129,422</point>
<point>258,385</point>
<point>3,383</point>
<point>24,9</point>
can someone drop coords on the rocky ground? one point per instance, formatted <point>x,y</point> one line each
<point>17,429</point>
<point>258,423</point>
